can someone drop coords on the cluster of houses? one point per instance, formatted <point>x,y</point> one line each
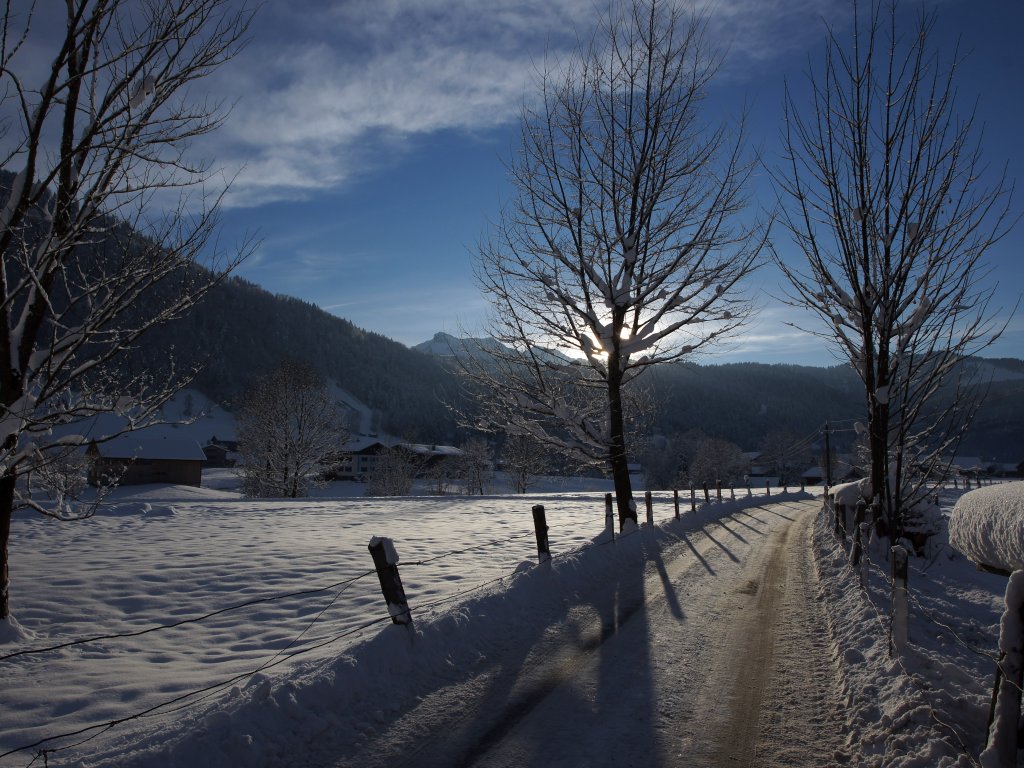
<point>138,459</point>
<point>845,469</point>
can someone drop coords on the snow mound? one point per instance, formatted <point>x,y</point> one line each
<point>987,525</point>
<point>848,494</point>
<point>12,633</point>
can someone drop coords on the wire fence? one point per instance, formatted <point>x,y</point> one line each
<point>932,623</point>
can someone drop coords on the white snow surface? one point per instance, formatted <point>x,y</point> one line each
<point>987,525</point>
<point>257,684</point>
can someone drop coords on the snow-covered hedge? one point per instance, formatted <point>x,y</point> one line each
<point>987,525</point>
<point>848,494</point>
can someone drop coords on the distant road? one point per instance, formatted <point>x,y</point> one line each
<point>718,655</point>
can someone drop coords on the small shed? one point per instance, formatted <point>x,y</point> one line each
<point>137,460</point>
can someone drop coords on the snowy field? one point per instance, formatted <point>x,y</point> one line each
<point>279,615</point>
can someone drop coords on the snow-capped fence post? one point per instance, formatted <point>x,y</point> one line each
<point>718,490</point>
<point>675,500</point>
<point>1002,739</point>
<point>609,516</point>
<point>650,507</point>
<point>732,493</point>
<point>898,625</point>
<point>385,561</point>
<point>540,526</point>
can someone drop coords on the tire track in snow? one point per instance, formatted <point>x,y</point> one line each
<point>716,657</point>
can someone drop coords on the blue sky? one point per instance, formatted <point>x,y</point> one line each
<point>372,135</point>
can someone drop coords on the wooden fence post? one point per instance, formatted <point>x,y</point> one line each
<point>768,487</point>
<point>707,496</point>
<point>898,626</point>
<point>650,507</point>
<point>840,526</point>
<point>540,526</point>
<point>675,500</point>
<point>609,516</point>
<point>732,493</point>
<point>858,517</point>
<point>864,534</point>
<point>803,485</point>
<point>693,498</point>
<point>718,490</point>
<point>749,491</point>
<point>385,561</point>
<point>1002,738</point>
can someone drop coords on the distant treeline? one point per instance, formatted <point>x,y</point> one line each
<point>242,331</point>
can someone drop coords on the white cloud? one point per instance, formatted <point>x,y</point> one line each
<point>327,93</point>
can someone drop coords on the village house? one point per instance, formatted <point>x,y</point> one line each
<point>220,453</point>
<point>136,460</point>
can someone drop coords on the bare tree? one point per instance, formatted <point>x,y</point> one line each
<point>523,459</point>
<point>887,198</point>
<point>716,459</point>
<point>786,453</point>
<point>622,247</point>
<point>393,473</point>
<point>289,431</point>
<point>441,474</point>
<point>90,261</point>
<point>476,465</point>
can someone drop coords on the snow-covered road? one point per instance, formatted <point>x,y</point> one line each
<point>716,655</point>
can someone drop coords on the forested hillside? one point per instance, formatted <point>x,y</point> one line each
<point>241,332</point>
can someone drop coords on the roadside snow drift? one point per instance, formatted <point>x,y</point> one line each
<point>987,525</point>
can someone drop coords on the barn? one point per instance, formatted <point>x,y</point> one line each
<point>137,460</point>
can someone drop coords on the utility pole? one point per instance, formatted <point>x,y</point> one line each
<point>828,458</point>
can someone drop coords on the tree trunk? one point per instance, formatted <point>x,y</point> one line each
<point>879,441</point>
<point>6,512</point>
<point>617,455</point>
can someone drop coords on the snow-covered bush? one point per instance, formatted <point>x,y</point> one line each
<point>987,525</point>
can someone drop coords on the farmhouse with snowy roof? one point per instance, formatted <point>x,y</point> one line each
<point>221,453</point>
<point>136,460</point>
<point>357,458</point>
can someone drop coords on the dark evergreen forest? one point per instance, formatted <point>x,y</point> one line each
<point>242,331</point>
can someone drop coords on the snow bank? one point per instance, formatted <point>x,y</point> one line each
<point>987,525</point>
<point>849,494</point>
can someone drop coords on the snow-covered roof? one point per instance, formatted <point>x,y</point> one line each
<point>987,525</point>
<point>969,463</point>
<point>362,443</point>
<point>138,447</point>
<point>432,450</point>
